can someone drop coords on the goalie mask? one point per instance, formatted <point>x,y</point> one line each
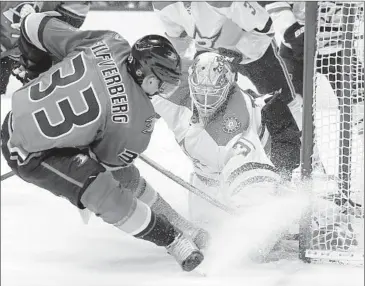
<point>210,80</point>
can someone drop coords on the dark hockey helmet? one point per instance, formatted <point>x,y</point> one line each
<point>154,54</point>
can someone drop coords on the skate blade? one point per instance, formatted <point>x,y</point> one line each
<point>192,261</point>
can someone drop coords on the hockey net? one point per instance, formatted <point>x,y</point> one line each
<point>333,132</point>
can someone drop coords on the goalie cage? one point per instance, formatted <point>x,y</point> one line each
<point>332,157</point>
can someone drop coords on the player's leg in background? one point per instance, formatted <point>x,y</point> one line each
<point>6,66</point>
<point>285,136</point>
<point>294,66</point>
<point>270,76</point>
<point>283,114</point>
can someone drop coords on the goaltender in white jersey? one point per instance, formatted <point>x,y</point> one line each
<point>220,128</point>
<point>243,33</point>
<point>216,123</point>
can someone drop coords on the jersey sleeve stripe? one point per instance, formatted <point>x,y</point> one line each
<point>32,29</point>
<point>253,180</point>
<point>267,27</point>
<point>17,153</point>
<point>277,7</point>
<point>70,17</point>
<point>250,166</point>
<point>262,130</point>
<point>41,29</point>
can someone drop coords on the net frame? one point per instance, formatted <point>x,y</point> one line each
<point>347,87</point>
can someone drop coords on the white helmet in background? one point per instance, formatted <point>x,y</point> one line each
<point>210,80</point>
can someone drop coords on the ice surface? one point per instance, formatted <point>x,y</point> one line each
<point>45,243</point>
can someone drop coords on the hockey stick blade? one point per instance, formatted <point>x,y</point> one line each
<point>7,175</point>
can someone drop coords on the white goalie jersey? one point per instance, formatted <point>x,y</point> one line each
<point>228,153</point>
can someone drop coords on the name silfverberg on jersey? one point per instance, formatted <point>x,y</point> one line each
<point>113,82</point>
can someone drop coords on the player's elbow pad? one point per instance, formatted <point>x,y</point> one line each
<point>74,19</point>
<point>34,58</point>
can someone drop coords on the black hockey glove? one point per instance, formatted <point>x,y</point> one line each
<point>26,70</point>
<point>33,61</point>
<point>294,36</point>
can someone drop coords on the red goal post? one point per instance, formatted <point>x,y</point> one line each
<point>332,157</point>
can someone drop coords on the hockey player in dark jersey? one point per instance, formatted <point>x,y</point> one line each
<point>12,14</point>
<point>77,128</point>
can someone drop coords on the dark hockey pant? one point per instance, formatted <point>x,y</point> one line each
<point>6,67</point>
<point>65,172</point>
<point>269,75</point>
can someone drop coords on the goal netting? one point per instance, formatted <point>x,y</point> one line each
<point>333,132</point>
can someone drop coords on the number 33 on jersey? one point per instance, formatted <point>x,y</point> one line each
<point>87,99</point>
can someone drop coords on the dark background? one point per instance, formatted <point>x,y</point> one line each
<point>121,5</point>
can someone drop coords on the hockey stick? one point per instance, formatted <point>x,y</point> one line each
<point>7,175</point>
<point>198,192</point>
<point>187,186</point>
<point>173,177</point>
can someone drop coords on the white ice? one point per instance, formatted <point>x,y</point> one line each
<point>45,243</point>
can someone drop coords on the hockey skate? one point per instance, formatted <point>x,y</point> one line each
<point>186,253</point>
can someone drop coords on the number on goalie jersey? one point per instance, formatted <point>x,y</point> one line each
<point>88,98</point>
